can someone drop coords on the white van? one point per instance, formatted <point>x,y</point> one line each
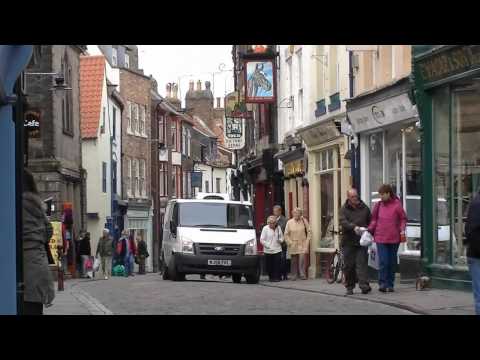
<point>209,236</point>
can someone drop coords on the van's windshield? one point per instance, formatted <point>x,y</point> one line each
<point>232,216</point>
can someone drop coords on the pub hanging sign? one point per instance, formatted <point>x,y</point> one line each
<point>234,133</point>
<point>260,80</point>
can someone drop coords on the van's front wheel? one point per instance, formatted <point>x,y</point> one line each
<point>173,273</point>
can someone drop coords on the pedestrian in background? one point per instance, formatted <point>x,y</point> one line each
<point>354,215</point>
<point>37,232</point>
<point>472,232</point>
<point>130,252</point>
<point>387,226</point>
<point>298,236</point>
<point>85,252</point>
<point>142,255</point>
<point>272,239</point>
<point>105,251</point>
<point>285,262</point>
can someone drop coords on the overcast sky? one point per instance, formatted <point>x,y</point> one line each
<point>182,63</point>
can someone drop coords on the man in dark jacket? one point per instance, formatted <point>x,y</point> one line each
<point>142,255</point>
<point>472,232</point>
<point>354,215</point>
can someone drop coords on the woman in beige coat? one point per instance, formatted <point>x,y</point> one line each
<point>298,235</point>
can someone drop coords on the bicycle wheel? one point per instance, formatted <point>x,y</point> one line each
<point>334,269</point>
<point>340,278</point>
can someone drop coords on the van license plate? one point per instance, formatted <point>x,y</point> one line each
<point>220,262</point>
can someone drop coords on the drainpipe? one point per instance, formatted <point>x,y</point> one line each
<point>354,169</point>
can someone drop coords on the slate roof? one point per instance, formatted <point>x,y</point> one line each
<point>92,73</point>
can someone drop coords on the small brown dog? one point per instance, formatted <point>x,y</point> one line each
<point>423,283</point>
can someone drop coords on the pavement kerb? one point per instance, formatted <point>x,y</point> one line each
<point>94,306</point>
<point>355,297</point>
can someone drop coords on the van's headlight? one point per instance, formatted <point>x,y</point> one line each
<point>187,246</point>
<point>251,247</point>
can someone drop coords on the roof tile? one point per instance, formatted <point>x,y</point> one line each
<point>92,72</point>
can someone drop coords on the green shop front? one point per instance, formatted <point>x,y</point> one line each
<point>447,82</point>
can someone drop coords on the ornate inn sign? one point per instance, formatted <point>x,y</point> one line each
<point>234,133</point>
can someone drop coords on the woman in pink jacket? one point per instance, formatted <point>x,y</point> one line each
<point>388,229</point>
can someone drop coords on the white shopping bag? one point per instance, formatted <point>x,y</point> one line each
<point>366,239</point>
<point>373,256</point>
<point>96,264</point>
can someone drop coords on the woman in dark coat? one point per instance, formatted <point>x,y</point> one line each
<point>37,232</point>
<point>142,255</point>
<point>85,252</point>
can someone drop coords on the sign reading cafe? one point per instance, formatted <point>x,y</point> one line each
<point>234,133</point>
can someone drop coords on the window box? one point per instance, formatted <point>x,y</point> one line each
<point>321,108</point>
<point>334,102</point>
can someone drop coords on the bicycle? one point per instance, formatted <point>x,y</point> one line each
<point>335,269</point>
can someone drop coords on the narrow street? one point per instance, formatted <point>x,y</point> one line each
<point>150,295</point>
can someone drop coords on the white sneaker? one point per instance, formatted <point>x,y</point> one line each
<point>106,277</point>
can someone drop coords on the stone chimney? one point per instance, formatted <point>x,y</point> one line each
<point>199,85</point>
<point>218,103</point>
<point>169,91</point>
<point>191,85</point>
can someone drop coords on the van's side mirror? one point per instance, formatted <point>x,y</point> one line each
<point>173,228</point>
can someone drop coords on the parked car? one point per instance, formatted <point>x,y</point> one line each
<point>209,236</point>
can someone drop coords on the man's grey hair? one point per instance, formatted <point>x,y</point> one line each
<point>277,207</point>
<point>271,219</point>
<point>106,231</point>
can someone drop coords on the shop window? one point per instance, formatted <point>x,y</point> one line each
<point>465,160</point>
<point>441,109</point>
<point>375,165</point>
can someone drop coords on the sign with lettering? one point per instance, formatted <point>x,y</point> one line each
<point>32,124</point>
<point>449,63</point>
<point>383,113</point>
<point>196,179</point>
<point>294,168</point>
<point>56,240</point>
<point>234,133</point>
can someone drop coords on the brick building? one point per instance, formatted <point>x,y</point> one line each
<point>135,90</point>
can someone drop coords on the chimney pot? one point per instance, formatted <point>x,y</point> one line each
<point>169,90</point>
<point>218,102</point>
<point>175,91</point>
<point>191,85</point>
<point>199,85</point>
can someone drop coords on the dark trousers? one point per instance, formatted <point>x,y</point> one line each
<point>273,262</point>
<point>356,267</point>
<point>387,258</point>
<point>141,265</point>
<point>284,265</point>
<point>32,308</point>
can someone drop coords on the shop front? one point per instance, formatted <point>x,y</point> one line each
<point>139,225</point>
<point>385,122</point>
<point>328,178</point>
<point>447,81</point>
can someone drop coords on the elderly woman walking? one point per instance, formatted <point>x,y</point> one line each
<point>272,239</point>
<point>298,235</point>
<point>388,229</point>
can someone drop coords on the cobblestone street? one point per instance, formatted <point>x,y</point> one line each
<point>149,294</point>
